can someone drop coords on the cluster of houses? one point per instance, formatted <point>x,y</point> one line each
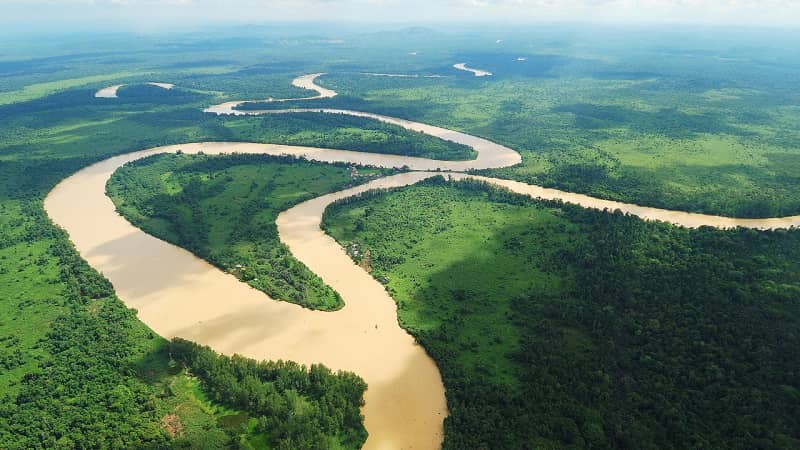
<point>365,259</point>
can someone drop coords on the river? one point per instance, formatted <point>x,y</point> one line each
<point>178,294</point>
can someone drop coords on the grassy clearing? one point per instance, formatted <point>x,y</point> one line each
<point>39,90</point>
<point>423,275</point>
<point>350,133</point>
<point>31,298</point>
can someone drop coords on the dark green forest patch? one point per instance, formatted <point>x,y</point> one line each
<point>669,122</point>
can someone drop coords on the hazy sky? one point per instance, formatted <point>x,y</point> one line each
<point>160,13</point>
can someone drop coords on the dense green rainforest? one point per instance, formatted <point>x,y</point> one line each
<point>599,331</point>
<point>561,327</point>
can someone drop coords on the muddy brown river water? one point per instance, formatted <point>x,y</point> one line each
<point>178,294</point>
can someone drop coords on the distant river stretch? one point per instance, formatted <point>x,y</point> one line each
<point>178,294</point>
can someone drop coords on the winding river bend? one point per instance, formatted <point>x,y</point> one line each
<point>178,294</point>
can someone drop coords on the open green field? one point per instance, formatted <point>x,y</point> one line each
<point>560,327</point>
<point>34,91</point>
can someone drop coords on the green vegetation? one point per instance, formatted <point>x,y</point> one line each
<point>223,209</point>
<point>352,133</point>
<point>98,378</point>
<point>561,327</point>
<point>608,330</point>
<point>77,369</point>
<point>39,90</point>
<point>295,407</point>
<point>679,122</point>
<point>101,379</point>
<point>724,146</point>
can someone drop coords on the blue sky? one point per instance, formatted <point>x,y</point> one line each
<point>165,13</point>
